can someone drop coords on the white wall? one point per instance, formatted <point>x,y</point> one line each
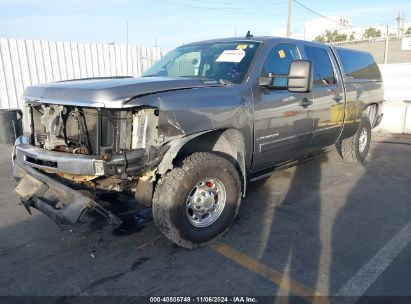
<point>29,62</point>
<point>397,88</point>
<point>397,80</point>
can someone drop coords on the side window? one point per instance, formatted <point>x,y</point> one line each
<point>323,69</point>
<point>279,61</point>
<point>185,65</point>
<point>358,65</point>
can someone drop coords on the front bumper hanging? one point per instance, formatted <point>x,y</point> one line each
<point>62,204</point>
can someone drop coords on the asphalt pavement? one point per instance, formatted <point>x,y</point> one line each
<point>323,228</point>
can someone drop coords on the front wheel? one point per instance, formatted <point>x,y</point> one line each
<point>196,203</point>
<point>355,148</point>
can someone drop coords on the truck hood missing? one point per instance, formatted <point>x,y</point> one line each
<point>109,92</point>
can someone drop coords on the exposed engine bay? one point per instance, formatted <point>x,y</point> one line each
<point>91,131</point>
<point>122,144</point>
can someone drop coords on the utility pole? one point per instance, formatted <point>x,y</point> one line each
<point>155,49</point>
<point>398,24</point>
<point>289,19</point>
<point>402,25</point>
<point>127,45</point>
<point>387,39</point>
<point>127,31</point>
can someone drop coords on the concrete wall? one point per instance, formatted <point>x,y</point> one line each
<point>377,49</point>
<point>397,86</point>
<point>29,62</point>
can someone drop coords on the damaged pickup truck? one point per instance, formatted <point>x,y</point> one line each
<point>187,137</point>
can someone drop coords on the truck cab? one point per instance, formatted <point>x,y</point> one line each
<point>329,111</point>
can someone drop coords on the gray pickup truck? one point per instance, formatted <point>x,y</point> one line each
<point>187,136</point>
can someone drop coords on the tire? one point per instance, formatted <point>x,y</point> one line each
<point>372,114</point>
<point>178,191</point>
<point>354,149</point>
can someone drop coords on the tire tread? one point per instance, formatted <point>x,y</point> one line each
<point>169,183</point>
<point>349,147</point>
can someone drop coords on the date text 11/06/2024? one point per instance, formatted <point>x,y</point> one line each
<point>238,299</point>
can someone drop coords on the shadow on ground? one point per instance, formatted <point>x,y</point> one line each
<point>319,223</point>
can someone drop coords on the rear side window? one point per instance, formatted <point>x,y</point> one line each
<point>359,65</point>
<point>278,62</point>
<point>323,68</point>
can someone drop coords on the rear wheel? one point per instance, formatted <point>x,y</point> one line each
<point>196,203</point>
<point>372,114</point>
<point>355,148</point>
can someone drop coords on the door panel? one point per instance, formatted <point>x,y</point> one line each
<point>328,96</point>
<point>282,128</point>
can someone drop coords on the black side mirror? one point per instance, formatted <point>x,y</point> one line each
<point>266,81</point>
<point>300,78</point>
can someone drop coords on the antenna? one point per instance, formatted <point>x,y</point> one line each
<point>249,35</point>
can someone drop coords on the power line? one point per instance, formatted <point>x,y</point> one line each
<point>181,4</point>
<point>304,11</point>
<point>234,2</point>
<point>219,10</point>
<point>307,9</point>
<point>301,6</point>
<point>385,23</point>
<point>314,12</point>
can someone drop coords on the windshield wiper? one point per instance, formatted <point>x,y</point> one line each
<point>199,78</point>
<point>225,82</point>
<point>151,75</point>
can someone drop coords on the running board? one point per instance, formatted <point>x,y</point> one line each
<point>271,171</point>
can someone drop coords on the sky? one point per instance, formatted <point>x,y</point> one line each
<point>174,22</point>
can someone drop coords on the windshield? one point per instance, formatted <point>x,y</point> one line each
<point>226,62</point>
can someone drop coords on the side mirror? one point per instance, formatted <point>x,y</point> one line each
<point>300,78</point>
<point>266,81</point>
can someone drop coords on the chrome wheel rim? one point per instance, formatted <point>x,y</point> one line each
<point>363,140</point>
<point>206,202</point>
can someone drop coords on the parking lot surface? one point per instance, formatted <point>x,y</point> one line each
<point>325,227</point>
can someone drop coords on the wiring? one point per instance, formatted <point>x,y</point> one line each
<point>314,12</point>
<point>227,9</point>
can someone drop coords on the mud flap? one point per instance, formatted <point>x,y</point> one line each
<point>62,204</point>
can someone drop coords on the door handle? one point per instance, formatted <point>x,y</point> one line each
<point>305,103</point>
<point>337,98</point>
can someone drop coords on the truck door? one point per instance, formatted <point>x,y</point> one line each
<point>329,99</point>
<point>283,125</point>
